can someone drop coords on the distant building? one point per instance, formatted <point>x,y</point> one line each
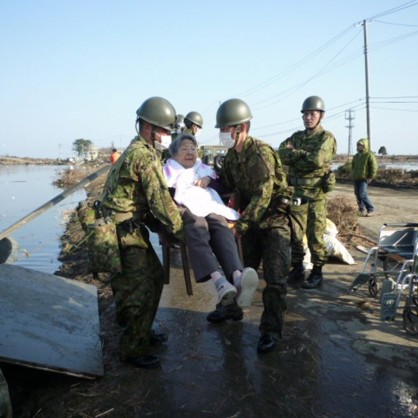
<point>92,154</point>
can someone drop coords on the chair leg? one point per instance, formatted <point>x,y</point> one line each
<point>186,269</point>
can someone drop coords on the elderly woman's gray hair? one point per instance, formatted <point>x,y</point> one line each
<point>175,145</point>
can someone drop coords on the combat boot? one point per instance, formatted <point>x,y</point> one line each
<point>223,313</point>
<point>267,343</point>
<point>157,337</point>
<point>148,361</point>
<point>315,278</point>
<point>296,274</point>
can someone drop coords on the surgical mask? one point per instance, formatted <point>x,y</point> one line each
<point>197,133</point>
<point>226,140</point>
<point>165,142</point>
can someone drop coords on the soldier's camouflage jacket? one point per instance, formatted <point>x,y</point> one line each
<point>309,160</point>
<point>136,184</point>
<point>257,175</point>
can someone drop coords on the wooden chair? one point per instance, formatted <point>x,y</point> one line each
<point>167,242</point>
<point>166,247</point>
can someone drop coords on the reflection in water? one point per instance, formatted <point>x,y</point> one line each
<point>22,190</point>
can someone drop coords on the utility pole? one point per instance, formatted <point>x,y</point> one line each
<point>366,67</point>
<point>350,116</point>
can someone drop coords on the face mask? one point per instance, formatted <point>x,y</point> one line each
<point>165,142</point>
<point>226,140</point>
<point>197,133</point>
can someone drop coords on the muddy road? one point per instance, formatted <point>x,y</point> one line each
<point>336,358</point>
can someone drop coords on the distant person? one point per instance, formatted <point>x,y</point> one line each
<point>193,122</point>
<point>364,168</point>
<point>309,154</point>
<point>114,156</point>
<point>135,194</point>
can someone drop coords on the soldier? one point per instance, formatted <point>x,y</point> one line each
<point>309,154</point>
<point>135,189</point>
<point>194,123</point>
<point>253,169</point>
<point>191,124</point>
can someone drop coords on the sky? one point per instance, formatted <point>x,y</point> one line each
<point>81,68</point>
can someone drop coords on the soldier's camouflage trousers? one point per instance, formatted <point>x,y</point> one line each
<point>272,247</point>
<point>5,404</point>
<point>137,292</point>
<point>313,218</point>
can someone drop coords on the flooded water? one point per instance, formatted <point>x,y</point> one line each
<point>22,190</point>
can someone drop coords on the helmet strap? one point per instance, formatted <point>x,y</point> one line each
<point>153,135</point>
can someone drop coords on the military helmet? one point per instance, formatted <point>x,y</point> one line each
<point>159,112</point>
<point>232,112</point>
<point>194,117</point>
<point>313,103</point>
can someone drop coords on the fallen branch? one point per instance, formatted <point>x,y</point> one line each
<point>358,236</point>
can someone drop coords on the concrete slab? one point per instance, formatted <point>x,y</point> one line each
<point>48,322</point>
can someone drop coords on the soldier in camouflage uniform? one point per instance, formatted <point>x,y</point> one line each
<point>309,154</point>
<point>253,170</point>
<point>194,124</point>
<point>191,124</point>
<point>136,191</point>
<point>5,404</point>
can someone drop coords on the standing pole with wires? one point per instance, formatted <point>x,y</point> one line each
<point>366,68</point>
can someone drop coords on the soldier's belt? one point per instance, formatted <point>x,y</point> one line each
<point>313,181</point>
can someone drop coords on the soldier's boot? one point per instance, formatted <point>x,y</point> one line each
<point>148,361</point>
<point>297,273</point>
<point>267,343</point>
<point>315,278</point>
<point>223,313</point>
<point>157,337</point>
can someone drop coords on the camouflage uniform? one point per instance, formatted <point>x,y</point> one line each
<point>308,163</point>
<point>134,190</point>
<point>257,175</point>
<point>5,404</point>
<point>364,166</point>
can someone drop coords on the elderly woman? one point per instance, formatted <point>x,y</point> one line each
<point>209,239</point>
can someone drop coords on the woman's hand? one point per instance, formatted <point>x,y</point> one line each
<point>203,182</point>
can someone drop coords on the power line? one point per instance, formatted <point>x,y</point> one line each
<point>330,66</point>
<point>301,62</point>
<point>293,89</point>
<point>395,9</point>
<point>394,97</point>
<point>294,66</point>
<point>394,109</point>
<point>395,24</point>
